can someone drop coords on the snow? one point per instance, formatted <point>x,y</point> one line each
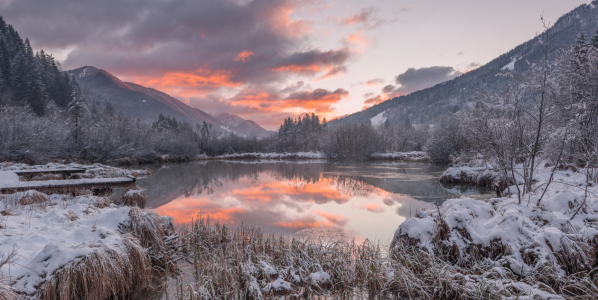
<point>47,238</point>
<point>66,182</point>
<point>407,156</point>
<point>523,229</point>
<point>91,171</point>
<point>510,66</point>
<point>378,119</point>
<point>256,155</point>
<point>8,178</point>
<point>319,277</point>
<point>133,193</point>
<point>278,285</point>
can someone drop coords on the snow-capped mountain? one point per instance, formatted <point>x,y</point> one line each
<point>431,104</point>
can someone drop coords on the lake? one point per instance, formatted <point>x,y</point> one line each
<point>307,198</point>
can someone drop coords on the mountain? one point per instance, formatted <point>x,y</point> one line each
<point>242,126</point>
<point>431,104</point>
<point>134,100</point>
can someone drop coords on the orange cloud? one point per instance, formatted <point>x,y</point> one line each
<point>243,56</point>
<point>373,207</point>
<point>303,224</point>
<point>335,219</point>
<point>318,100</point>
<point>189,84</point>
<point>373,101</point>
<point>358,39</point>
<point>319,192</point>
<point>186,209</point>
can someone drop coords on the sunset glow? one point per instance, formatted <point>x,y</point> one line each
<point>209,54</point>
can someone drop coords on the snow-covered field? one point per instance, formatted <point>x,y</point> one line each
<point>552,243</point>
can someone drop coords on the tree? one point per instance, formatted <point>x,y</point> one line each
<point>77,114</point>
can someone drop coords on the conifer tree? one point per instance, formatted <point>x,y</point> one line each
<point>77,113</point>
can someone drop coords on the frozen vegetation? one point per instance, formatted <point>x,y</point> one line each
<point>64,247</point>
<point>545,246</point>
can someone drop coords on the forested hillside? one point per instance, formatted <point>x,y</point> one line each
<point>428,106</point>
<point>28,78</point>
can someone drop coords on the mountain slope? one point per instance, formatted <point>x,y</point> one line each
<point>242,126</point>
<point>134,100</point>
<point>429,105</point>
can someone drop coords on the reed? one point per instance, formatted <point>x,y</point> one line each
<point>104,274</point>
<point>245,263</point>
<point>7,293</point>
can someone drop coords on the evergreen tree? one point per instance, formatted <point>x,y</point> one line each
<point>77,113</point>
<point>594,41</point>
<point>110,109</point>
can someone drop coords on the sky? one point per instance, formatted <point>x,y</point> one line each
<point>267,60</point>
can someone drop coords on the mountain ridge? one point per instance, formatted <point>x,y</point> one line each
<point>147,104</point>
<point>431,104</point>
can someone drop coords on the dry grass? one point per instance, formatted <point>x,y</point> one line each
<point>6,292</point>
<point>241,263</point>
<point>160,242</point>
<point>134,197</point>
<point>104,274</point>
<point>44,177</point>
<point>576,257</point>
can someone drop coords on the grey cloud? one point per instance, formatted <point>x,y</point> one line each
<point>293,87</point>
<point>417,79</point>
<point>388,89</point>
<point>155,36</point>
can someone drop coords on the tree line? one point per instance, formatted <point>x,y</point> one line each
<point>28,78</point>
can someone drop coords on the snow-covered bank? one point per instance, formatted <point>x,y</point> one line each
<point>550,245</point>
<point>476,171</point>
<point>58,246</point>
<point>91,171</point>
<point>257,155</point>
<point>415,156</point>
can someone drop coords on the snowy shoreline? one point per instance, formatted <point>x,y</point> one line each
<point>535,247</point>
<point>413,156</point>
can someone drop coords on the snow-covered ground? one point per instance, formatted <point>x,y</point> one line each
<point>49,232</point>
<point>555,237</point>
<point>378,119</point>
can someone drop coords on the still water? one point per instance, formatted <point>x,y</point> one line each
<point>337,200</point>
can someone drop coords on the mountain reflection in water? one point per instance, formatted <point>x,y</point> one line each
<point>349,200</point>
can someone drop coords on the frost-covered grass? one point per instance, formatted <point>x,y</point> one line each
<point>546,248</point>
<point>245,263</point>
<point>64,247</point>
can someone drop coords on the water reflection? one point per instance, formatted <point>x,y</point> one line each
<point>361,200</point>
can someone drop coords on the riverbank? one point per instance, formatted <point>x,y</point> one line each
<point>544,246</point>
<point>413,156</point>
